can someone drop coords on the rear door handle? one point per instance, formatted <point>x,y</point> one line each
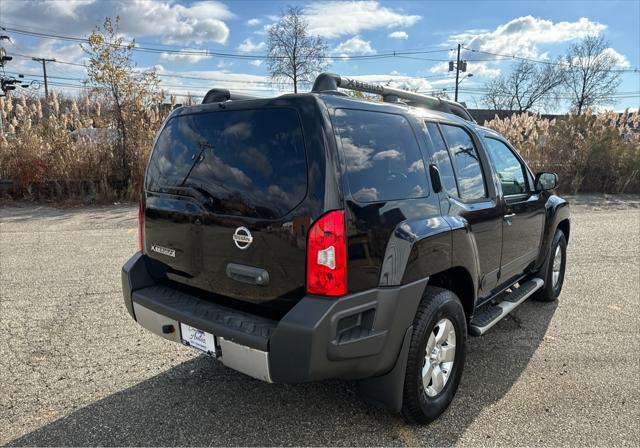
<point>247,274</point>
<point>507,218</point>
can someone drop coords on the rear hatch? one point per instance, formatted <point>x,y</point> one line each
<point>223,196</point>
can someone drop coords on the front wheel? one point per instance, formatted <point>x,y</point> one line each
<point>552,272</point>
<point>436,356</point>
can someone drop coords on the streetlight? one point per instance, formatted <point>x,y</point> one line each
<point>460,82</point>
<point>465,77</point>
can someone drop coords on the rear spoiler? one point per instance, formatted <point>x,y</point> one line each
<point>222,95</point>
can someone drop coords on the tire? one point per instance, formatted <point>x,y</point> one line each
<point>424,403</point>
<point>551,289</point>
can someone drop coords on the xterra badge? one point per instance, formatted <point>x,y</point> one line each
<point>164,250</point>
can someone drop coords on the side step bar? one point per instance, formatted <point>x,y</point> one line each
<point>489,315</point>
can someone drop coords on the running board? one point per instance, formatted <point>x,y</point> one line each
<point>489,315</point>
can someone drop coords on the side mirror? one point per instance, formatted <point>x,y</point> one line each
<point>546,181</point>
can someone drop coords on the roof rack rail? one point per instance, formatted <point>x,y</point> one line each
<point>222,95</point>
<point>329,82</point>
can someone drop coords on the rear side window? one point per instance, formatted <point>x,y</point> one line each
<point>443,159</point>
<point>381,154</point>
<point>248,163</point>
<point>466,163</point>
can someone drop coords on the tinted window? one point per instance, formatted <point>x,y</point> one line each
<point>249,163</point>
<point>442,159</point>
<point>510,170</point>
<point>466,163</point>
<point>381,154</point>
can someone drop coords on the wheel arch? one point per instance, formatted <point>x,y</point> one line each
<point>565,226</point>
<point>458,280</point>
<point>556,217</point>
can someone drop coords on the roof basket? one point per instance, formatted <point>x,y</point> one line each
<point>329,83</point>
<point>222,95</point>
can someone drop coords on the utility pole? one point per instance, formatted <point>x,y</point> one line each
<point>46,86</point>
<point>459,66</point>
<point>457,73</point>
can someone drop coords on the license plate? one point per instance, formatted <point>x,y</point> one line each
<point>198,339</point>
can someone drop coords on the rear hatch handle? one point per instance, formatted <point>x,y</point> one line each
<point>247,274</point>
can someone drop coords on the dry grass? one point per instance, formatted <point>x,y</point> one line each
<point>591,153</point>
<point>73,153</point>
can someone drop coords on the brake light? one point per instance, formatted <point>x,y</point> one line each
<point>327,256</point>
<point>140,225</point>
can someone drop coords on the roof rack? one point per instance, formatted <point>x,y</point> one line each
<point>329,83</point>
<point>222,95</point>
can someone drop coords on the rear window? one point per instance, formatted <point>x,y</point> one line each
<point>248,163</point>
<point>381,154</point>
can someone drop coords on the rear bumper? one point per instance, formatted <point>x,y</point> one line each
<point>356,336</point>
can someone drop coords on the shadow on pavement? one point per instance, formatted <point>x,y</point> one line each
<point>201,402</point>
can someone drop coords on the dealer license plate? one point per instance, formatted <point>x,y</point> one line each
<point>198,339</point>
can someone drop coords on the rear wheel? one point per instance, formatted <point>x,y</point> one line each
<point>436,356</point>
<point>552,272</point>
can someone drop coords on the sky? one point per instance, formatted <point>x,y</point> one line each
<point>197,45</point>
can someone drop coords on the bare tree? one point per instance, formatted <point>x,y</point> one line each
<point>527,87</point>
<point>590,78</point>
<point>294,55</point>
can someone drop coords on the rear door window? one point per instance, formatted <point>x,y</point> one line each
<point>381,154</point>
<point>248,162</point>
<point>443,159</point>
<point>466,163</point>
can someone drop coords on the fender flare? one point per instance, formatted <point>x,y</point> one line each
<point>556,211</point>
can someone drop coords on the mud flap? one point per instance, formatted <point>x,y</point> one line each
<point>387,390</point>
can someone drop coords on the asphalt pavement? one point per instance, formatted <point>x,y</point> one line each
<point>76,370</point>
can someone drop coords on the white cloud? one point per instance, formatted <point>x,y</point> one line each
<point>400,82</point>
<point>256,63</point>
<point>477,68</point>
<point>355,45</point>
<point>388,154</point>
<point>198,82</point>
<point>621,60</point>
<point>398,35</point>
<point>337,18</point>
<point>173,23</point>
<point>416,166</point>
<point>189,55</point>
<point>247,46</point>
<point>254,22</point>
<point>366,194</point>
<point>521,37</point>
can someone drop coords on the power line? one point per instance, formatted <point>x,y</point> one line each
<point>207,52</point>
<point>51,31</point>
<point>539,61</point>
<point>392,78</point>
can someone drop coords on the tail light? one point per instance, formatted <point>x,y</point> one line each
<point>327,256</point>
<point>141,225</point>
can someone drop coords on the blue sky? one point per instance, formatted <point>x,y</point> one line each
<point>540,30</point>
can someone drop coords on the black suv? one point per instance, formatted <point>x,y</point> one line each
<point>317,235</point>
